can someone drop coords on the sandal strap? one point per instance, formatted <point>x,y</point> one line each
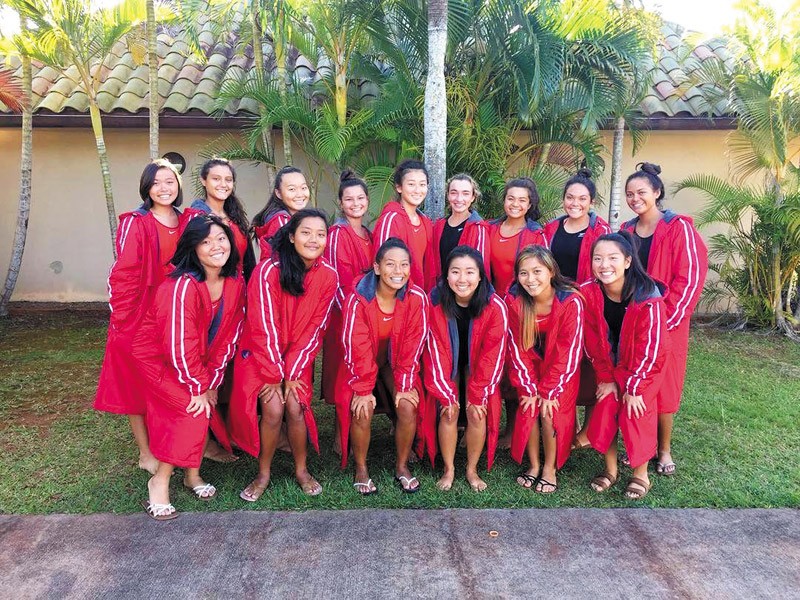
<point>204,490</point>
<point>160,510</point>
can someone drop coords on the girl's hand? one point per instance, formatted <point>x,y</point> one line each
<point>411,396</point>
<point>604,389</point>
<point>359,406</point>
<point>478,411</point>
<point>548,407</point>
<point>635,405</point>
<point>199,405</point>
<point>293,389</point>
<point>449,413</point>
<point>528,403</point>
<point>213,396</point>
<point>269,391</point>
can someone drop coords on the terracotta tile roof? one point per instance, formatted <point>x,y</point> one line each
<point>185,86</point>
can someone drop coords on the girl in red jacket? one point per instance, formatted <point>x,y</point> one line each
<point>182,348</point>
<point>463,364</point>
<point>546,317</point>
<point>464,226</point>
<point>350,252</point>
<point>626,341</point>
<point>219,181</point>
<point>672,251</point>
<point>146,241</point>
<point>570,238</point>
<point>404,220</point>
<point>289,195</point>
<point>289,299</point>
<point>385,324</point>
<point>515,230</point>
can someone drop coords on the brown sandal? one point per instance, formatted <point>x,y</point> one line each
<point>634,485</point>
<point>604,481</point>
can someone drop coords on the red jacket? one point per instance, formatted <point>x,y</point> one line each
<point>132,284</point>
<point>360,340</point>
<point>267,229</point>
<point>394,222</point>
<point>247,258</point>
<point>182,349</point>
<point>487,349</point>
<point>351,258</point>
<point>475,235</point>
<point>281,338</point>
<point>597,227</point>
<point>554,376</point>
<point>531,235</point>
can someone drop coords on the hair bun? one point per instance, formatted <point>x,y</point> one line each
<point>347,174</point>
<point>651,168</point>
<point>585,172</point>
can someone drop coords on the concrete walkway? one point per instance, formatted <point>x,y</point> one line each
<point>555,553</point>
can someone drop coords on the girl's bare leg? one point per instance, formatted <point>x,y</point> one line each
<point>533,457</point>
<point>550,451</point>
<point>665,423</point>
<point>448,438</point>
<point>269,432</point>
<point>360,433</point>
<point>476,440</point>
<point>298,440</point>
<point>158,484</point>
<point>581,438</point>
<point>504,443</point>
<point>404,437</point>
<point>147,461</point>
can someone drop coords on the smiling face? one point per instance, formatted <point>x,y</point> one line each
<point>577,201</point>
<point>609,264</point>
<point>641,196</point>
<point>214,250</point>
<point>460,196</point>
<point>534,277</point>
<point>516,203</point>
<point>394,269</point>
<point>354,202</point>
<point>310,238</point>
<point>293,191</point>
<point>463,277</point>
<point>413,188</point>
<point>219,183</point>
<point>165,188</point>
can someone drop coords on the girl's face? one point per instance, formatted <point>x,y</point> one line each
<point>413,188</point>
<point>354,202</point>
<point>213,252</point>
<point>640,195</point>
<point>165,187</point>
<point>609,263</point>
<point>534,277</point>
<point>460,196</point>
<point>394,269</point>
<point>463,277</point>
<point>310,238</point>
<point>516,203</point>
<point>293,191</point>
<point>577,201</point>
<point>219,183</point>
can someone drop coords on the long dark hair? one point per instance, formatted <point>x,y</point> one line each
<point>483,293</point>
<point>403,168</point>
<point>636,277</point>
<point>528,184</point>
<point>232,206</point>
<point>584,178</point>
<point>528,328</point>
<point>650,172</point>
<point>274,204</point>
<point>149,176</point>
<point>293,269</point>
<point>185,257</point>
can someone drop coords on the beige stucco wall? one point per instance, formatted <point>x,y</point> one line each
<point>68,250</point>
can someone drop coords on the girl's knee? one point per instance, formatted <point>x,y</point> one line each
<point>272,413</point>
<point>406,412</point>
<point>475,420</point>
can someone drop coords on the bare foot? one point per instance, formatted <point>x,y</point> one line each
<point>547,483</point>
<point>665,465</point>
<point>527,479</point>
<point>504,443</point>
<point>216,453</point>
<point>407,481</point>
<point>148,463</point>
<point>476,483</point>
<point>446,481</point>
<point>309,485</point>
<point>362,482</point>
<point>256,488</point>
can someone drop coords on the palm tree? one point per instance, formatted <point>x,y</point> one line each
<point>152,76</point>
<point>436,108</point>
<point>68,33</point>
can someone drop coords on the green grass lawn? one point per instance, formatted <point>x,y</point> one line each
<point>737,439</point>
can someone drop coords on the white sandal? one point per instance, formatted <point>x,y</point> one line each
<point>159,512</point>
<point>205,491</point>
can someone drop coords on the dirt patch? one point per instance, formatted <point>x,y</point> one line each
<point>31,415</point>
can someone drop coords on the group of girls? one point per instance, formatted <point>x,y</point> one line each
<point>434,324</point>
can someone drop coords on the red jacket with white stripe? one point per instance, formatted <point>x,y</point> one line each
<point>562,353</point>
<point>395,222</point>
<point>531,235</point>
<point>679,258</point>
<point>597,227</point>
<point>475,235</point>
<point>643,340</point>
<point>181,344</point>
<point>283,332</point>
<point>360,335</point>
<point>347,255</point>
<point>267,229</point>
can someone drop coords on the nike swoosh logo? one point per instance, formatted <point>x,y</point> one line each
<point>502,241</point>
<point>172,232</point>
<point>387,319</point>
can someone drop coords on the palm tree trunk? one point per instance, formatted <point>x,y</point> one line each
<point>24,208</point>
<point>152,69</point>
<point>258,62</point>
<point>615,197</point>
<point>280,62</point>
<point>97,128</point>
<point>436,108</point>
<point>341,93</point>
